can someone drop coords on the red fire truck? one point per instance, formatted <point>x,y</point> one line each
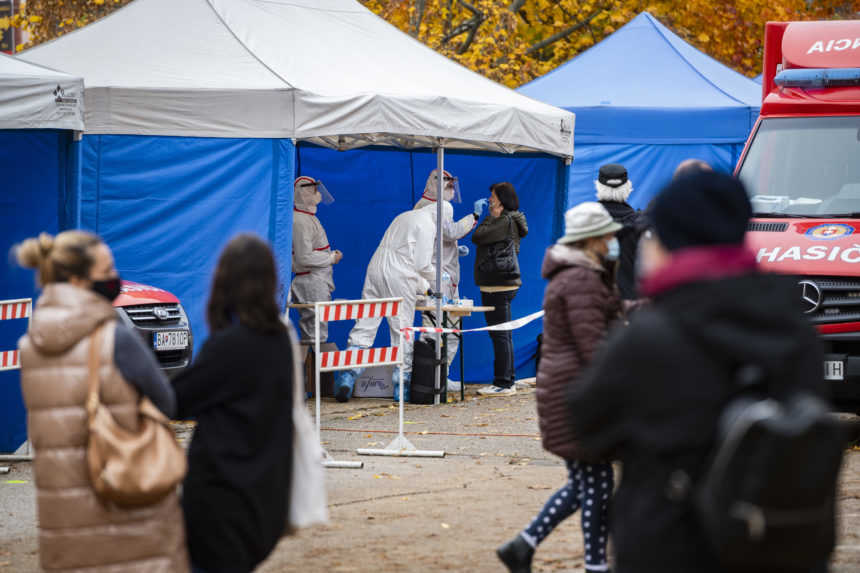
<point>801,166</point>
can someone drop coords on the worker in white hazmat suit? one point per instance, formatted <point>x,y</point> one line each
<point>313,257</point>
<point>402,266</point>
<point>452,231</point>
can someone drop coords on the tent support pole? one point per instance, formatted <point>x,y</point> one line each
<point>440,196</point>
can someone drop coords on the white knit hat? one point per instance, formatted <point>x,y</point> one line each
<point>589,219</point>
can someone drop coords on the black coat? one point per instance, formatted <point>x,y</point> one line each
<point>240,391</point>
<point>508,225</point>
<point>628,240</point>
<point>653,395</point>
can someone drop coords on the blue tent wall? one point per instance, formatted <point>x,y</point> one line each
<point>645,98</point>
<point>649,167</point>
<point>33,164</point>
<point>372,186</point>
<point>167,206</point>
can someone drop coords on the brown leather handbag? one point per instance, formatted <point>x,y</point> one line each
<point>130,468</point>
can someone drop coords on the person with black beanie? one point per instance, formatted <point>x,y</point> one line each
<point>613,189</point>
<point>655,392</point>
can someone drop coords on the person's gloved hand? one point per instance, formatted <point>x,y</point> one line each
<point>336,257</point>
<point>479,206</point>
<point>463,250</point>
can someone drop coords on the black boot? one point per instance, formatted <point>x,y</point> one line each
<point>517,555</point>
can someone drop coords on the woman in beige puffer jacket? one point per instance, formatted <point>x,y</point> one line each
<point>77,530</point>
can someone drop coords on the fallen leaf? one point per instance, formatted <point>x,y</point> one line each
<point>445,526</point>
<point>356,417</point>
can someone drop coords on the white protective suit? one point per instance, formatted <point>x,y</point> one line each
<point>452,231</point>
<point>402,266</point>
<point>312,259</point>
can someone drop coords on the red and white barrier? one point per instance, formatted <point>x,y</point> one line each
<point>354,310</point>
<point>13,310</point>
<point>347,359</point>
<point>9,360</point>
<point>364,358</point>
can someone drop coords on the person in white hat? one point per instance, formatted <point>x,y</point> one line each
<point>580,303</point>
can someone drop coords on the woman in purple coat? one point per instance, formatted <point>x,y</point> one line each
<point>580,303</point>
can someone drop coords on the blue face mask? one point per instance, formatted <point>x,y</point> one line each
<point>614,249</point>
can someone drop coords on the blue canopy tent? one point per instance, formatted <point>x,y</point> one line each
<point>645,98</point>
<point>40,109</point>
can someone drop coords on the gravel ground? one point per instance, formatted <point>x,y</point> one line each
<point>420,514</point>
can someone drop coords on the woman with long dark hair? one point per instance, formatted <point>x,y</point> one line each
<point>503,223</point>
<point>239,390</point>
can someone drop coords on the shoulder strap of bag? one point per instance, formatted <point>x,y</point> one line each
<point>93,364</point>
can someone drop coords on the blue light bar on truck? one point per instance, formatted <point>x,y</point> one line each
<point>818,78</point>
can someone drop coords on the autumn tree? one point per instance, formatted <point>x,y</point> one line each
<point>514,41</point>
<point>46,19</point>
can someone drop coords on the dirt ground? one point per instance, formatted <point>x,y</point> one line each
<point>421,514</point>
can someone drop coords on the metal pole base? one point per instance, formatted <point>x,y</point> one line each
<point>330,462</point>
<point>400,446</point>
<point>17,458</point>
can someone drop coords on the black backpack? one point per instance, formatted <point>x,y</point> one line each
<point>767,500</point>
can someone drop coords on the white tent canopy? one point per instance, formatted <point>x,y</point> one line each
<point>326,71</point>
<point>33,97</point>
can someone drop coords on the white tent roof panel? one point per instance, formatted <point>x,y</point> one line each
<point>328,71</point>
<point>33,97</point>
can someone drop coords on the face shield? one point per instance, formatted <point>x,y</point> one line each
<point>452,188</point>
<point>308,185</point>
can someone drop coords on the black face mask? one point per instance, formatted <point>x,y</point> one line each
<point>108,288</point>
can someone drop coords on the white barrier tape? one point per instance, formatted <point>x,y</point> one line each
<point>510,325</point>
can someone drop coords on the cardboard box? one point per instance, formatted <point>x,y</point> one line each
<point>326,378</point>
<point>375,382</point>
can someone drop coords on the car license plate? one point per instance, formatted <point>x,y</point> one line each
<point>170,340</point>
<point>834,370</point>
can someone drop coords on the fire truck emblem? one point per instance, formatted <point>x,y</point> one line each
<point>829,231</point>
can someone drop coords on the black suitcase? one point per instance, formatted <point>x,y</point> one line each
<point>422,387</point>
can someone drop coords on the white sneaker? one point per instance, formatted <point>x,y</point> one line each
<point>497,391</point>
<point>453,386</point>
